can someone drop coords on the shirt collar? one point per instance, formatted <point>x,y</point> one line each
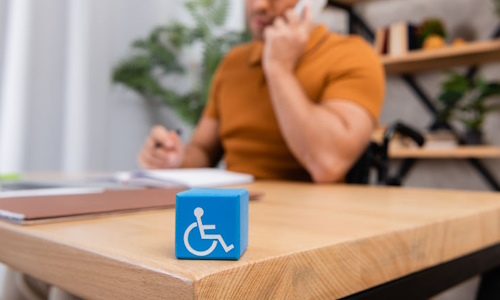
<point>315,38</point>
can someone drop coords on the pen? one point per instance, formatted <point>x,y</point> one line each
<point>159,144</point>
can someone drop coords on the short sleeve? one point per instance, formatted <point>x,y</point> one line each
<point>358,77</point>
<point>211,109</point>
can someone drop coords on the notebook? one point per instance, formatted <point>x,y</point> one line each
<point>200,177</point>
<point>51,208</point>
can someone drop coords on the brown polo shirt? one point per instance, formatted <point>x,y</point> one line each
<point>333,67</point>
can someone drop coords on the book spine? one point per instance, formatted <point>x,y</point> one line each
<point>413,41</point>
<point>398,40</point>
<point>380,40</point>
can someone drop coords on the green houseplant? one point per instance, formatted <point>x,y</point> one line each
<point>158,57</point>
<point>468,101</point>
<point>430,27</point>
<point>497,6</point>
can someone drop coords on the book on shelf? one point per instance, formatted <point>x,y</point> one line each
<point>440,140</point>
<point>397,39</point>
<point>433,140</point>
<point>382,40</point>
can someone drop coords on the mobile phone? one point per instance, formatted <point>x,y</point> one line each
<point>316,7</point>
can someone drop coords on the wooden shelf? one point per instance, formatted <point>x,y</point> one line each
<point>347,2</point>
<point>426,60</point>
<point>461,152</point>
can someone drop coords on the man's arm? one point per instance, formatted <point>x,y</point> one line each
<point>325,138</point>
<point>204,149</point>
<point>164,149</point>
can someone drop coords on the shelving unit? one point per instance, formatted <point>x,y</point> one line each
<point>472,54</point>
<point>461,152</point>
<point>427,60</point>
<point>350,2</point>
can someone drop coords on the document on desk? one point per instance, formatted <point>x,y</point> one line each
<point>49,208</point>
<point>198,177</point>
<point>50,192</point>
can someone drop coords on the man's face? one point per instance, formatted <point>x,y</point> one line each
<point>261,13</point>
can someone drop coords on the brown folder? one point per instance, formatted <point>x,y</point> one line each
<point>26,210</point>
<point>34,210</point>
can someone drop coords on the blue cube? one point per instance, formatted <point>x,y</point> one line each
<point>211,224</point>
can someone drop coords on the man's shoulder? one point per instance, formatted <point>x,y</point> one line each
<point>345,52</point>
<point>239,54</point>
<point>243,49</point>
<point>350,43</point>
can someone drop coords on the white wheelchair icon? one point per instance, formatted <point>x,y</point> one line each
<point>198,212</point>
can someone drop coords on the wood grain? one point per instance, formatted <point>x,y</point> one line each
<point>475,53</point>
<point>305,242</point>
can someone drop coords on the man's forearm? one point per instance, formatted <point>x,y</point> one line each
<point>196,157</point>
<point>313,133</point>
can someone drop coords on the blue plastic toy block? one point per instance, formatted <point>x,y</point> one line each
<point>211,224</point>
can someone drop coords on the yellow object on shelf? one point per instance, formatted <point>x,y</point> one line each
<point>458,42</point>
<point>434,41</point>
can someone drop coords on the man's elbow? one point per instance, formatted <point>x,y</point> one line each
<point>328,171</point>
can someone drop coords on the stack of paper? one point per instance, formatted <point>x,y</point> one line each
<point>45,201</point>
<point>202,177</point>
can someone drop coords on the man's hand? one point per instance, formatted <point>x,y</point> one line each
<point>163,149</point>
<point>285,40</point>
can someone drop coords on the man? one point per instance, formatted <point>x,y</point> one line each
<point>298,103</point>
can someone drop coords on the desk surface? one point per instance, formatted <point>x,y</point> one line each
<point>305,241</point>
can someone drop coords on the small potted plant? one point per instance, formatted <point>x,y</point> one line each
<point>468,101</point>
<point>431,34</point>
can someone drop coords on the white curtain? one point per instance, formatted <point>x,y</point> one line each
<point>58,109</point>
<point>14,84</point>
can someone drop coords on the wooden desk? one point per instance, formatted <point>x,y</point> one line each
<point>305,241</point>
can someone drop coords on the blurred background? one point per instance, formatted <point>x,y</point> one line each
<point>59,109</point>
<point>61,112</point>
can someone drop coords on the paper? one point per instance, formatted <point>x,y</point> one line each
<point>202,177</point>
<point>50,192</point>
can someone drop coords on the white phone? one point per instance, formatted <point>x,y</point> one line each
<point>316,7</point>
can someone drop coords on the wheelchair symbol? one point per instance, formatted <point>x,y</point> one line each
<point>198,213</point>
